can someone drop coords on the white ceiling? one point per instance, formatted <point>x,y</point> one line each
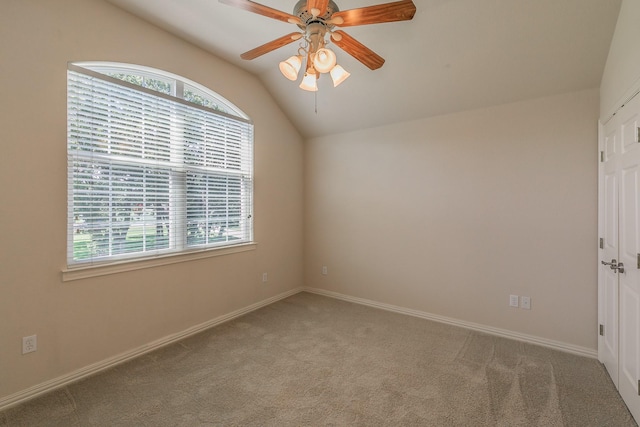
<point>454,55</point>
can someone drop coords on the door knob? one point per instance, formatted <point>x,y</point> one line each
<point>620,267</point>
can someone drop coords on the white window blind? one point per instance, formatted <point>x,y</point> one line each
<point>150,174</point>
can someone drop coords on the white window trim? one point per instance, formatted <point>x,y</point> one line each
<point>107,267</point>
<point>113,267</point>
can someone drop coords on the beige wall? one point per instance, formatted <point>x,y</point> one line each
<point>623,63</point>
<point>83,322</point>
<point>450,215</point>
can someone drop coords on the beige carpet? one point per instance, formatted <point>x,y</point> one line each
<point>314,361</point>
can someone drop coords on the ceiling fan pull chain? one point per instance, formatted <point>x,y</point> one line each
<point>315,97</point>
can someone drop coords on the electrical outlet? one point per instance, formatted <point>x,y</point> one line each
<point>325,271</point>
<point>29,344</point>
<point>264,277</point>
<point>525,302</point>
<point>513,300</point>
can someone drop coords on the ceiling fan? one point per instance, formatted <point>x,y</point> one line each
<point>317,19</point>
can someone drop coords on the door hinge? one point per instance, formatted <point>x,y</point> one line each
<point>638,135</point>
<point>602,330</point>
<point>638,387</point>
<point>602,247</point>
<point>638,262</point>
<point>602,156</point>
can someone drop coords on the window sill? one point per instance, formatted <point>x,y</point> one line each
<point>78,273</point>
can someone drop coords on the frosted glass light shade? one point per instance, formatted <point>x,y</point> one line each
<point>290,67</point>
<point>309,83</point>
<point>338,75</point>
<point>324,60</point>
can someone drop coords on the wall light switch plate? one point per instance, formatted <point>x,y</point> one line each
<point>513,300</point>
<point>525,302</point>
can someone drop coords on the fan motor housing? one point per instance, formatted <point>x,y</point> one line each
<point>300,10</point>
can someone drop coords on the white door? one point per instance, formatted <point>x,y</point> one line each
<point>629,253</point>
<point>619,347</point>
<point>608,278</point>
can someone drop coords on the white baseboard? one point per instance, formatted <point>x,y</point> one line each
<point>48,386</point>
<point>532,339</point>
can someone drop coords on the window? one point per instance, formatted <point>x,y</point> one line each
<point>156,165</point>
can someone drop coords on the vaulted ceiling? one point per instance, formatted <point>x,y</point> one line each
<point>454,55</point>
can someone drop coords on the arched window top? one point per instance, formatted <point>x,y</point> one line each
<point>165,82</point>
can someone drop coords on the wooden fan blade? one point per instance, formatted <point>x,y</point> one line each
<point>272,45</point>
<point>321,5</point>
<point>389,12</point>
<point>260,9</point>
<point>359,51</point>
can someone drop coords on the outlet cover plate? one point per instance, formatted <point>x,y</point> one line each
<point>29,344</point>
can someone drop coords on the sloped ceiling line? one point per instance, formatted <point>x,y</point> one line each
<point>454,55</point>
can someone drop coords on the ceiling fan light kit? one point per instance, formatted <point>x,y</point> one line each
<point>338,75</point>
<point>317,19</point>
<point>291,67</point>
<point>309,81</point>
<point>324,60</point>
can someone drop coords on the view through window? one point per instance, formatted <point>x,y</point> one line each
<point>157,165</point>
